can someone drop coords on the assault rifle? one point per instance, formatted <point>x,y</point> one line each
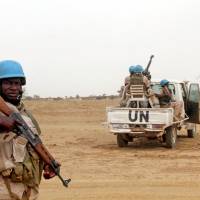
<point>146,71</point>
<point>33,139</point>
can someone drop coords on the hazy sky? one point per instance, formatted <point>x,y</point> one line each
<point>85,47</point>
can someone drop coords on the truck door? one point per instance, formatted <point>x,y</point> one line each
<point>193,103</point>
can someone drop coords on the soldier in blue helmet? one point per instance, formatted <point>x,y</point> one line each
<point>20,166</point>
<point>135,72</point>
<point>136,77</point>
<point>165,96</point>
<point>11,73</point>
<point>167,99</point>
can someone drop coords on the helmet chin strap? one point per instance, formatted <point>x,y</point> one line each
<point>19,97</point>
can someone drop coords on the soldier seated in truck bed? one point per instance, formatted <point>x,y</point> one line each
<point>167,99</point>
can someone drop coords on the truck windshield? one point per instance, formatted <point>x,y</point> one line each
<point>156,87</point>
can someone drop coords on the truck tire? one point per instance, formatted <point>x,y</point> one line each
<point>171,136</point>
<point>192,132</point>
<point>121,142</point>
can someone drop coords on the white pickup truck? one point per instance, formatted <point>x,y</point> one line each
<point>157,123</point>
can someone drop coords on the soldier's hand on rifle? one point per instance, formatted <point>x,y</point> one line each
<point>6,123</point>
<point>166,91</point>
<point>147,74</point>
<point>48,172</point>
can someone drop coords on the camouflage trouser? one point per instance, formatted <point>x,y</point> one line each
<point>178,110</point>
<point>16,191</point>
<point>153,100</point>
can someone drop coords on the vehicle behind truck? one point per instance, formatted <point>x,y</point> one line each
<point>128,123</point>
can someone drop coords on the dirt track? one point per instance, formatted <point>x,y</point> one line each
<point>99,170</point>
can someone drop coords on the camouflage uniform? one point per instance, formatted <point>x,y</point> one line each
<point>20,166</point>
<point>167,101</point>
<point>137,80</point>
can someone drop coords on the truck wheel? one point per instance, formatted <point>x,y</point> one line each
<point>192,132</point>
<point>164,137</point>
<point>171,136</point>
<point>121,142</point>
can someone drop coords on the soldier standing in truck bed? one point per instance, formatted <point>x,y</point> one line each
<point>136,77</point>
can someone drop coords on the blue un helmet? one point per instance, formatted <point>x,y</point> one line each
<point>164,82</point>
<point>12,69</point>
<point>131,69</point>
<point>136,69</point>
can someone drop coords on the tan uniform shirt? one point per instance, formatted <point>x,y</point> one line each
<point>13,150</point>
<point>145,81</point>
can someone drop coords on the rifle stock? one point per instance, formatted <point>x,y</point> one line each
<point>33,139</point>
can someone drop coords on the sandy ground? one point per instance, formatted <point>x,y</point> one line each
<point>145,170</point>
